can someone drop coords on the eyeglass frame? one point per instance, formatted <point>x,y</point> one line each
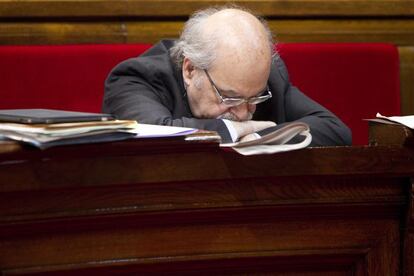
<point>239,100</point>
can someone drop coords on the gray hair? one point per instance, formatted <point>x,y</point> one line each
<point>200,48</point>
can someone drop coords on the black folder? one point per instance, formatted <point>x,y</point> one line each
<point>49,116</point>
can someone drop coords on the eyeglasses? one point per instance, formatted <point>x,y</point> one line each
<point>234,101</point>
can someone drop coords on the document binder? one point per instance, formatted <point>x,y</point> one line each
<point>49,116</point>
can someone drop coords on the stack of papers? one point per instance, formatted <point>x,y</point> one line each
<point>407,121</point>
<point>46,128</point>
<point>48,135</point>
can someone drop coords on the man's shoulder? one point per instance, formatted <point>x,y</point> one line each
<point>154,62</point>
<point>279,77</point>
<point>160,48</point>
<point>278,68</point>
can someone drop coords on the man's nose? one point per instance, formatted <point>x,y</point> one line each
<point>243,111</point>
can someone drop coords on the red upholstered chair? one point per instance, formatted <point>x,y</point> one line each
<point>69,77</point>
<point>353,80</point>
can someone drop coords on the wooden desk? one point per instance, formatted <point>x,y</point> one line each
<point>174,207</point>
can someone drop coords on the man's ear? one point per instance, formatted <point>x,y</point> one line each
<point>188,71</point>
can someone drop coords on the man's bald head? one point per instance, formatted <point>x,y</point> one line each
<point>242,42</point>
<point>212,30</point>
<point>239,32</point>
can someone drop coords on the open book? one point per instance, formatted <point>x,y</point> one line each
<point>276,141</point>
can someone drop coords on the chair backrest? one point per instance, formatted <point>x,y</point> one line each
<point>68,77</point>
<point>353,80</point>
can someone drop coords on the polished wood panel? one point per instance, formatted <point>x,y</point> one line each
<point>61,33</point>
<point>185,208</point>
<point>408,249</point>
<point>390,135</point>
<point>182,8</point>
<point>393,31</point>
<point>407,77</point>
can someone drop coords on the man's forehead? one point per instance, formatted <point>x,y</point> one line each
<point>238,74</point>
<point>241,55</point>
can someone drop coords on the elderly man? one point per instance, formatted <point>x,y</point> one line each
<point>223,75</point>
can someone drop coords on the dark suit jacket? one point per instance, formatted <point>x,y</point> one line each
<point>150,89</point>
